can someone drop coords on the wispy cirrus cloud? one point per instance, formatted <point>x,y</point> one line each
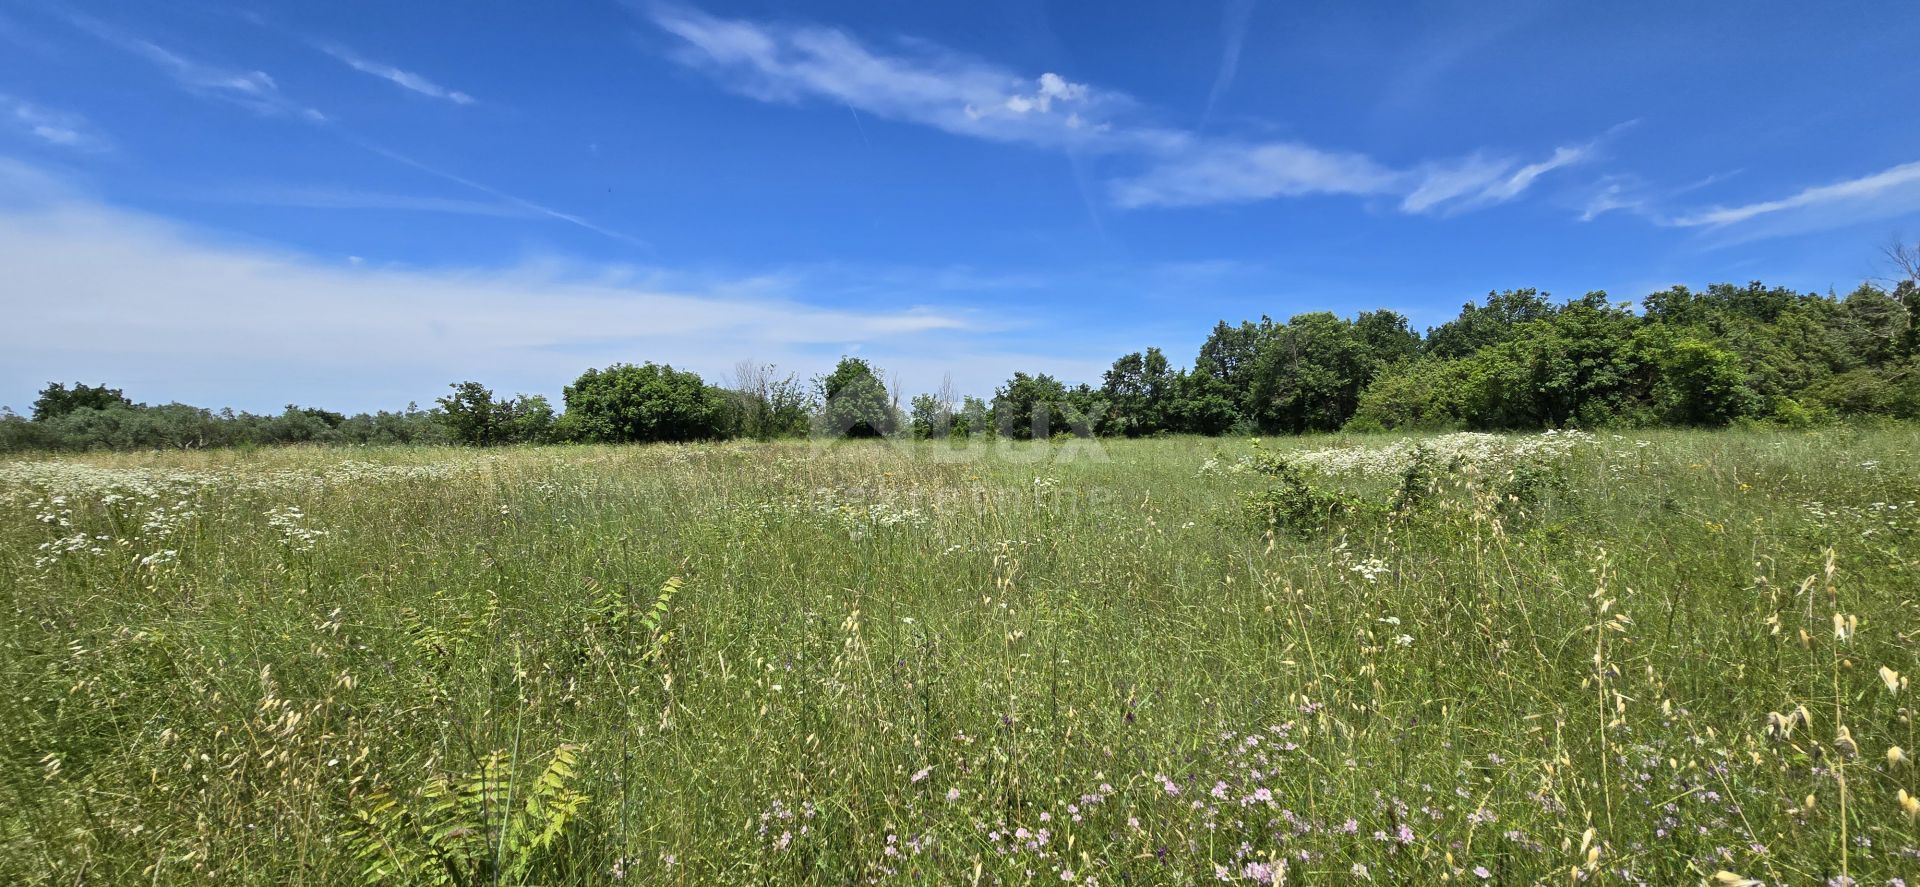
<point>257,91</point>
<point>1233,38</point>
<point>62,128</point>
<point>533,208</point>
<point>917,82</point>
<point>1480,181</point>
<point>321,197</point>
<point>1230,173</point>
<point>404,79</point>
<point>1887,192</point>
<point>253,90</point>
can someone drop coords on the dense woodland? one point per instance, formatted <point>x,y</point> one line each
<point>1729,354</point>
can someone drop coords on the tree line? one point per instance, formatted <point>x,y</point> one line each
<point>1727,354</point>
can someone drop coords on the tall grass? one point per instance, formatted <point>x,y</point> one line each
<point>1651,659</point>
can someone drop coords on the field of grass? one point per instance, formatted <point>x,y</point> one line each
<point>1654,658</point>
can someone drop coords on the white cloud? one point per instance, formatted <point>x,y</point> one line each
<point>403,79</point>
<point>254,90</point>
<point>1453,181</point>
<point>1613,195</point>
<point>920,83</point>
<point>926,85</point>
<point>1477,180</point>
<point>1890,191</point>
<point>53,127</point>
<point>99,292</point>
<point>1237,173</point>
<point>1523,178</point>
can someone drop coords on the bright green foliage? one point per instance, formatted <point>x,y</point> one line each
<point>1479,326</point>
<point>469,830</point>
<point>1291,503</point>
<point>651,402</point>
<point>1701,384</point>
<point>854,402</point>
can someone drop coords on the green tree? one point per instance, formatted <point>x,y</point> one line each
<point>975,417</point>
<point>1386,338</point>
<point>854,402</point>
<point>1309,375</point>
<point>1702,384</point>
<point>932,418</point>
<point>1030,406</point>
<point>1139,392</point>
<point>1229,355</point>
<point>1201,404</point>
<point>625,403</point>
<point>57,400</point>
<point>470,415</point>
<point>527,418</point>
<point>1477,327</point>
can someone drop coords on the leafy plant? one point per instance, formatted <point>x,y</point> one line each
<point>1294,504</point>
<point>467,831</point>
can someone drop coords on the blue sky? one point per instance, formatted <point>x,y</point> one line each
<point>352,204</point>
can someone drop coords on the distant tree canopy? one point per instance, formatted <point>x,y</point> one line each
<point>651,402</point>
<point>473,416</point>
<point>58,400</point>
<point>1520,360</point>
<point>122,425</point>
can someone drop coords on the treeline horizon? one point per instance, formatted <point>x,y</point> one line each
<point>1725,355</point>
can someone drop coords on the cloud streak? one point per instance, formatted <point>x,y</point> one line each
<point>1233,38</point>
<point>529,206</point>
<point>1229,173</point>
<point>257,91</point>
<point>917,83</point>
<point>253,90</point>
<point>353,199</point>
<point>1888,191</point>
<point>404,79</point>
<point>59,128</point>
<point>923,84</point>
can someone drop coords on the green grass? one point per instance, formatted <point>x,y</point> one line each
<point>891,664</point>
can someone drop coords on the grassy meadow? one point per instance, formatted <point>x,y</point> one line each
<point>1648,658</point>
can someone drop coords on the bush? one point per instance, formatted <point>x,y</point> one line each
<point>626,403</point>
